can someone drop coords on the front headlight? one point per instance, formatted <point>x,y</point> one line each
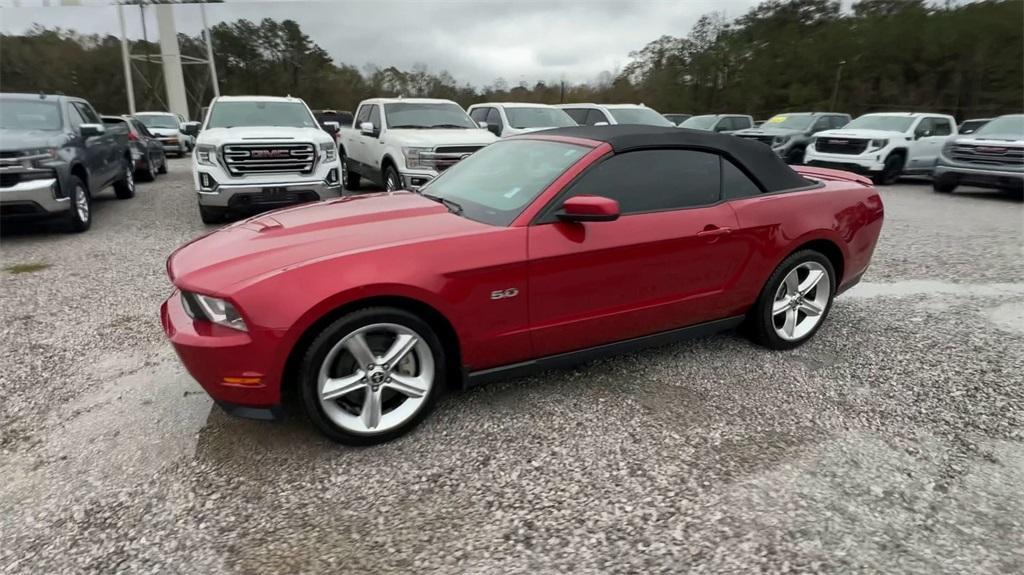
<point>206,154</point>
<point>780,140</point>
<point>414,158</point>
<point>879,144</point>
<point>329,150</point>
<point>211,309</point>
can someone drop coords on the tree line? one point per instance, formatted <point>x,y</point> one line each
<point>782,55</point>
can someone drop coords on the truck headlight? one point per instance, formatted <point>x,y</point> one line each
<point>329,150</point>
<point>213,310</point>
<point>206,154</point>
<point>878,144</point>
<point>414,158</point>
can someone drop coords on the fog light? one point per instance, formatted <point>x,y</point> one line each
<point>206,181</point>
<point>332,176</point>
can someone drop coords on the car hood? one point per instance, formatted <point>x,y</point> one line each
<point>15,140</point>
<point>861,134</point>
<point>766,132</point>
<point>238,134</point>
<point>453,137</point>
<point>165,131</point>
<point>1008,140</point>
<point>247,251</point>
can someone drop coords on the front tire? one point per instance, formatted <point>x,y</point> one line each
<point>80,216</point>
<point>795,157</point>
<point>944,184</point>
<point>211,215</point>
<point>349,178</point>
<point>392,181</point>
<point>371,375</point>
<point>794,302</point>
<point>125,187</point>
<point>891,170</point>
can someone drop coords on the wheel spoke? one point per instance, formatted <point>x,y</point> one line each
<point>334,388</point>
<point>790,326</point>
<point>809,283</point>
<point>371,409</point>
<point>407,385</point>
<point>356,345</point>
<point>792,283</point>
<point>781,305</point>
<point>400,348</point>
<point>811,308</point>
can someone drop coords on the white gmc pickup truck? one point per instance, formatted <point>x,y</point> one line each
<point>261,152</point>
<point>403,143</point>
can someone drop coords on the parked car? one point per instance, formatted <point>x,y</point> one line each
<point>677,118</point>
<point>147,152</point>
<point>611,114</point>
<point>537,251</point>
<point>788,134</point>
<point>971,126</point>
<point>260,152</point>
<point>721,123</point>
<point>406,142</point>
<point>991,157</point>
<point>883,146</point>
<point>177,137</point>
<point>504,119</point>
<point>55,156</point>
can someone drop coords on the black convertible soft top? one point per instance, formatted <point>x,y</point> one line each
<point>757,159</point>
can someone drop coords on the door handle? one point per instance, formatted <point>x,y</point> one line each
<point>712,231</point>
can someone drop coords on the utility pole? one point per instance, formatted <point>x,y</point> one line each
<point>126,61</point>
<point>835,88</point>
<point>209,52</point>
<point>170,56</point>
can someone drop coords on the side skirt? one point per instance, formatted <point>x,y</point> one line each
<point>572,358</point>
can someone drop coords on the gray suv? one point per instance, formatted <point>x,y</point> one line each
<point>991,157</point>
<point>789,134</point>
<point>55,155</point>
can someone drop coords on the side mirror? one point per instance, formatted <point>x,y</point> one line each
<point>600,123</point>
<point>721,128</point>
<point>589,209</point>
<point>366,128</point>
<point>922,134</point>
<point>332,128</point>
<point>482,124</point>
<point>90,130</point>
<point>494,129</point>
<point>190,128</point>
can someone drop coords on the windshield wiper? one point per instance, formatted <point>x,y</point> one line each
<point>452,206</point>
<point>449,126</point>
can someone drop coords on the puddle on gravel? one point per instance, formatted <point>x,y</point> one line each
<point>932,287</point>
<point>1009,316</point>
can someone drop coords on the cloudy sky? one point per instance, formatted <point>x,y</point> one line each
<point>477,41</point>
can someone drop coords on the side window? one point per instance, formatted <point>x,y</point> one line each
<point>478,114</point>
<point>493,117</point>
<point>925,127</point>
<point>578,115</point>
<point>741,123</point>
<point>116,126</point>
<point>595,116</point>
<point>363,115</point>
<point>941,127</point>
<point>654,180</point>
<point>839,121</point>
<point>75,116</point>
<point>736,184</point>
<point>822,123</point>
<point>87,113</point>
<point>375,117</point>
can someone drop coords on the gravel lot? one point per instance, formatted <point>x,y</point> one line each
<point>893,442</point>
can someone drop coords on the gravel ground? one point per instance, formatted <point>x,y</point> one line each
<point>893,442</point>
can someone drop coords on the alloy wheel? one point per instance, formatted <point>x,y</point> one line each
<point>129,178</point>
<point>82,204</point>
<point>391,182</point>
<point>376,378</point>
<point>801,300</point>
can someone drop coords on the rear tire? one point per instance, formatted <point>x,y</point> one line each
<point>163,164</point>
<point>398,393</point>
<point>792,305</point>
<point>148,174</point>
<point>211,215</point>
<point>125,187</point>
<point>891,170</point>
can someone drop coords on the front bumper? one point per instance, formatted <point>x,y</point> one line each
<point>250,196</point>
<point>865,163</point>
<point>981,177</point>
<point>234,367</point>
<point>179,147</point>
<point>33,198</point>
<point>416,179</point>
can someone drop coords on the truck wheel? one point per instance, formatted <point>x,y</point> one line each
<point>211,215</point>
<point>890,170</point>
<point>148,174</point>
<point>163,165</point>
<point>944,184</point>
<point>349,179</point>
<point>391,180</point>
<point>795,156</point>
<point>125,188</point>
<point>80,214</point>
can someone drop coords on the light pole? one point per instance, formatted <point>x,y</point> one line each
<point>835,89</point>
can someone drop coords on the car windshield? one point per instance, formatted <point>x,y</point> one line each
<point>888,123</point>
<point>161,121</point>
<point>644,116</point>
<point>1012,126</point>
<point>789,121</point>
<point>18,114</point>
<point>257,113</point>
<point>414,115</point>
<point>496,184</point>
<point>699,122</point>
<point>538,118</point>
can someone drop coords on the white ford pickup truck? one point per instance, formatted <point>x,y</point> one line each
<point>261,152</point>
<point>403,143</point>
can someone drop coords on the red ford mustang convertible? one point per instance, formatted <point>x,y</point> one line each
<point>537,251</point>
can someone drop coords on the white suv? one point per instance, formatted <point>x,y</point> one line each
<point>260,152</point>
<point>406,142</point>
<point>505,119</point>
<point>602,114</point>
<point>883,146</point>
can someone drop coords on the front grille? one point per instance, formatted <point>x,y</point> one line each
<point>988,155</point>
<point>457,149</point>
<point>766,140</point>
<point>445,157</point>
<point>840,145</point>
<point>256,200</point>
<point>242,159</point>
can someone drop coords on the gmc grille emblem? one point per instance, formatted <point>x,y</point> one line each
<point>270,153</point>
